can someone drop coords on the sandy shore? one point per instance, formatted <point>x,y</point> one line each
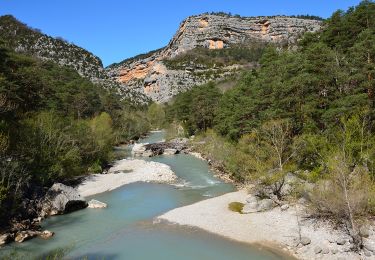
<point>275,227</point>
<point>125,172</point>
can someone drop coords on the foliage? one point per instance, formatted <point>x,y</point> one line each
<point>311,109</point>
<point>55,125</point>
<point>195,109</point>
<point>203,57</point>
<point>156,115</point>
<point>346,195</point>
<point>236,206</point>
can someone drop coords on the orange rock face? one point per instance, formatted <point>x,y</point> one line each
<point>138,72</point>
<point>265,27</point>
<point>203,23</point>
<point>215,45</point>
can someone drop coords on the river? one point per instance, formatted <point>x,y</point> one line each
<point>126,229</point>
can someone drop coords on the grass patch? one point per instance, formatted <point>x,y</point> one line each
<point>236,206</point>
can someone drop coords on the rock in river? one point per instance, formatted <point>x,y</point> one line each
<point>25,235</point>
<point>46,234</point>
<point>5,239</point>
<point>95,204</point>
<point>61,199</point>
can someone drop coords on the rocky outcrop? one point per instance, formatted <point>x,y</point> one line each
<point>61,199</point>
<point>254,205</point>
<point>175,146</point>
<point>5,239</point>
<point>140,150</point>
<point>25,235</point>
<point>46,234</point>
<point>217,31</point>
<point>150,75</point>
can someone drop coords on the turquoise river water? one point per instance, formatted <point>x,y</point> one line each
<point>126,230</point>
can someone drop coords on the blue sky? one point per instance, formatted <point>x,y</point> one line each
<point>118,29</point>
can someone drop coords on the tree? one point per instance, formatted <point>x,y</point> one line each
<point>156,115</point>
<point>363,61</point>
<point>269,151</point>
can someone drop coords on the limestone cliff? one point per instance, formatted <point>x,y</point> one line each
<point>151,75</point>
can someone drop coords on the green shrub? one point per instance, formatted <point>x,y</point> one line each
<point>236,206</point>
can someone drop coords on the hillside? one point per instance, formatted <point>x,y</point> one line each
<point>26,40</point>
<point>177,67</point>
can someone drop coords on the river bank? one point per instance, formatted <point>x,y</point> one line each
<point>304,238</point>
<point>124,172</point>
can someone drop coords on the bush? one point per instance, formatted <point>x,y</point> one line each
<point>236,206</point>
<point>156,116</point>
<point>345,196</point>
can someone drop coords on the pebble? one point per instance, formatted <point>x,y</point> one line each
<point>340,241</point>
<point>284,207</point>
<point>325,250</point>
<point>305,241</point>
<point>317,250</point>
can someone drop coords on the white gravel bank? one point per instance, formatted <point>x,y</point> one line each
<point>125,172</point>
<point>270,227</point>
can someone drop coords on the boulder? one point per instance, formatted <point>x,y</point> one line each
<point>61,199</point>
<point>25,235</point>
<point>250,208</point>
<point>46,234</point>
<point>317,250</point>
<point>252,199</point>
<point>140,150</point>
<point>340,241</point>
<point>284,207</point>
<point>95,204</point>
<point>265,204</point>
<point>255,206</point>
<point>305,241</point>
<point>5,239</point>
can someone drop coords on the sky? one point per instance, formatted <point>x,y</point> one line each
<point>117,29</point>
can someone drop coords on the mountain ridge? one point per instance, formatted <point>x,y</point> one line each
<point>150,74</point>
<point>27,40</point>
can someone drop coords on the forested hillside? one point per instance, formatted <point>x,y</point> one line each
<point>308,111</point>
<point>54,126</point>
<point>26,40</point>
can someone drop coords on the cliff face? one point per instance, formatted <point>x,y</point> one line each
<point>24,39</point>
<point>217,32</point>
<point>151,76</point>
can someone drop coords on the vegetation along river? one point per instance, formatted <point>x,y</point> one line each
<point>125,230</point>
